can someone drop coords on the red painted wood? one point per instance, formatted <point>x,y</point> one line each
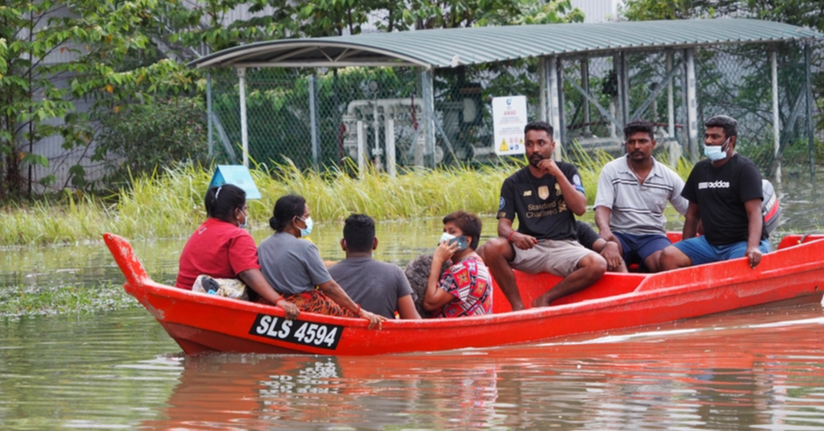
<point>202,323</point>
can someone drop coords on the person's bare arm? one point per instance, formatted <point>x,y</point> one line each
<point>406,308</point>
<point>602,216</point>
<point>337,294</point>
<point>693,215</point>
<point>434,297</point>
<point>520,240</point>
<point>257,282</point>
<point>575,200</point>
<point>756,220</point>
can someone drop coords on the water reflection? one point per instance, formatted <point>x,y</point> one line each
<point>715,373</point>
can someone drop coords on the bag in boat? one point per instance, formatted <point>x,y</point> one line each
<point>226,287</point>
<point>769,207</point>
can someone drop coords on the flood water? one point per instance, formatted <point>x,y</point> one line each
<point>756,369</point>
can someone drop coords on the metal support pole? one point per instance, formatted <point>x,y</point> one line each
<point>810,133</point>
<point>616,66</point>
<point>389,135</point>
<point>543,85</point>
<point>554,111</point>
<point>692,105</point>
<point>210,138</point>
<point>585,86</point>
<point>670,99</point>
<point>361,149</point>
<point>244,134</point>
<point>559,145</point>
<point>313,123</point>
<point>429,117</point>
<point>624,80</point>
<point>776,119</point>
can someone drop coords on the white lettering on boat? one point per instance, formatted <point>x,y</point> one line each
<point>321,335</point>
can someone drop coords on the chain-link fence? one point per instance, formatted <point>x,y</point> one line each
<point>383,108</point>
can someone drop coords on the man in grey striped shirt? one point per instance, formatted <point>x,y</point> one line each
<point>629,207</point>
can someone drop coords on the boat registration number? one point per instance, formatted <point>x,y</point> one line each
<point>321,335</point>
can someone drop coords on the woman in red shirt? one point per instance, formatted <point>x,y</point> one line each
<point>221,248</point>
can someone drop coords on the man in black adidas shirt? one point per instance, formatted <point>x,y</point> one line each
<point>545,195</point>
<point>725,193</point>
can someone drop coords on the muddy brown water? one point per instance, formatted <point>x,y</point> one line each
<point>754,369</point>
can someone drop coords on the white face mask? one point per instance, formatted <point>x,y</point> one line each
<point>445,237</point>
<point>245,223</point>
<point>304,232</point>
<point>716,153</point>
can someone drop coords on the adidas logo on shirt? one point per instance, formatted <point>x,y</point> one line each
<point>714,185</point>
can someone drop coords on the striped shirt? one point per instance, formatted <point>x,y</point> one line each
<point>639,209</point>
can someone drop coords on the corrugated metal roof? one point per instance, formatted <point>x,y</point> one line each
<point>476,45</point>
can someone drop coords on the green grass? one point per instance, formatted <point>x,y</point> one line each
<point>171,205</point>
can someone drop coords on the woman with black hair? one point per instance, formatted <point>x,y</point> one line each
<point>294,267</point>
<point>221,248</point>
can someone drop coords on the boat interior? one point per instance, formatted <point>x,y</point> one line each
<point>531,286</point>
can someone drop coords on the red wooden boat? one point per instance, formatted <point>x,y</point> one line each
<point>206,323</point>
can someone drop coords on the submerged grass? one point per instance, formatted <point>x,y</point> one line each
<point>25,300</point>
<point>171,205</point>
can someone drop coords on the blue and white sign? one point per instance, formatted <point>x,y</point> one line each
<point>508,119</point>
<point>236,175</point>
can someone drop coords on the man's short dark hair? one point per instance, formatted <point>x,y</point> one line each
<point>729,124</point>
<point>539,125</point>
<point>359,232</point>
<point>639,126</point>
<point>468,223</point>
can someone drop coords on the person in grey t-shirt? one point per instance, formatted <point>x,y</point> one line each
<point>629,206</point>
<point>379,286</point>
<point>293,266</point>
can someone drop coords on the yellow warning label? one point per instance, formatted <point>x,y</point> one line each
<point>504,147</point>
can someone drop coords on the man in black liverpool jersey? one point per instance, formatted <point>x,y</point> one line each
<point>545,195</point>
<point>725,192</point>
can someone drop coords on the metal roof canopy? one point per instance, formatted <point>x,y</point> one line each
<point>442,48</point>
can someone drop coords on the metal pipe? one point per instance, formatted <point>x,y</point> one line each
<point>244,134</point>
<point>361,150</point>
<point>776,119</point>
<point>389,133</point>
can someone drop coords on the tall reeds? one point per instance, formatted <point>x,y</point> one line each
<point>171,205</point>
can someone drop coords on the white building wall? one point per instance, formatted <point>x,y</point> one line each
<point>597,10</point>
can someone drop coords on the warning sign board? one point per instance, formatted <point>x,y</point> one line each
<point>509,118</point>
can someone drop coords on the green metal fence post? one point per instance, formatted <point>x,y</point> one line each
<point>313,123</point>
<point>810,133</point>
<point>210,140</point>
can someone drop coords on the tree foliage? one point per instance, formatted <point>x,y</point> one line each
<point>121,57</point>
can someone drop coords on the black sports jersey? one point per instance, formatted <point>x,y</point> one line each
<point>539,203</point>
<point>720,194</point>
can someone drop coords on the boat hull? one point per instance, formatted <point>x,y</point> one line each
<point>205,323</point>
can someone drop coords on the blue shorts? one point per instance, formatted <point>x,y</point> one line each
<point>701,251</point>
<point>637,248</point>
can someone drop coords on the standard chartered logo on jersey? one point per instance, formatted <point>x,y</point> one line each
<point>714,185</point>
